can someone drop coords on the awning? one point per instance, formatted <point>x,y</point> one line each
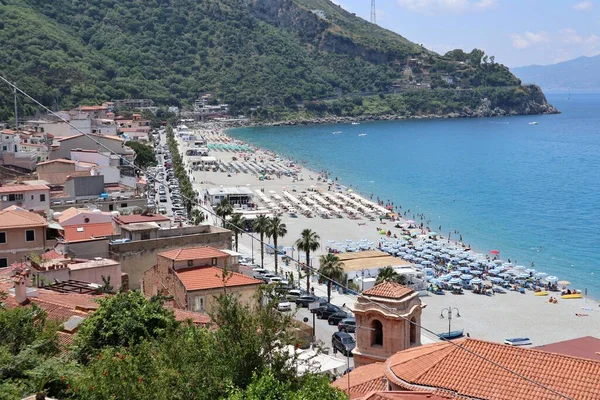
<point>55,225</point>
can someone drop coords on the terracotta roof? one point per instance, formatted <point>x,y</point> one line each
<point>390,290</point>
<point>22,188</point>
<point>20,219</point>
<point>92,108</point>
<point>585,347</point>
<point>363,380</point>
<point>53,255</point>
<point>193,253</point>
<point>135,219</point>
<point>87,231</point>
<point>448,367</point>
<point>404,395</point>
<point>196,317</point>
<point>203,278</point>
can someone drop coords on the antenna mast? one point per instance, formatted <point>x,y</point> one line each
<point>373,17</point>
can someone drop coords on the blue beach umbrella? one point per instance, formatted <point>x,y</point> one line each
<point>466,277</point>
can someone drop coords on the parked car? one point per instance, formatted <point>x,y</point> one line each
<point>163,199</point>
<point>267,277</point>
<point>321,302</point>
<point>293,294</point>
<point>335,318</point>
<point>284,306</point>
<point>342,341</point>
<point>304,301</point>
<point>347,325</point>
<point>326,310</point>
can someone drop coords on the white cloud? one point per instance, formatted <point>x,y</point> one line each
<point>584,5</point>
<point>528,39</point>
<point>570,36</point>
<point>443,6</point>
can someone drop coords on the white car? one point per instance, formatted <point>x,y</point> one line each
<point>284,306</point>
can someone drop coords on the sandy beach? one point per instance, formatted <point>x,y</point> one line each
<point>504,315</point>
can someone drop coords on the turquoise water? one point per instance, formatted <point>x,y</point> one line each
<point>530,191</point>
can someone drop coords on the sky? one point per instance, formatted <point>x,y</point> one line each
<point>516,32</point>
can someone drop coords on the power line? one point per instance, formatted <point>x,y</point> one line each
<point>297,261</point>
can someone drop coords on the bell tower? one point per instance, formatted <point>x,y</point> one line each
<point>382,322</point>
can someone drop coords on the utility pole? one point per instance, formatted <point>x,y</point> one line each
<point>16,110</point>
<point>373,16</point>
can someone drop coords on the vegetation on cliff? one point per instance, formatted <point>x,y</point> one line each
<point>249,53</point>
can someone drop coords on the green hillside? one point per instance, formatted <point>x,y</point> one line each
<point>269,53</point>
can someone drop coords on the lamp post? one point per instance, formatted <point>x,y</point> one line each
<point>449,311</point>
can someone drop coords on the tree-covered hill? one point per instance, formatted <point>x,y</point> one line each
<point>247,52</point>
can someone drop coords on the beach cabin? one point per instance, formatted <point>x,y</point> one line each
<point>239,197</point>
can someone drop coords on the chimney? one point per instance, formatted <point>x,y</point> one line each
<point>20,282</point>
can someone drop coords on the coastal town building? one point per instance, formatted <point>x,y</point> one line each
<point>31,197</point>
<point>477,369</point>
<point>391,315</point>
<point>195,276</point>
<point>22,233</point>
<point>63,269</point>
<point>101,143</point>
<point>237,196</point>
<point>12,154</point>
<point>83,223</point>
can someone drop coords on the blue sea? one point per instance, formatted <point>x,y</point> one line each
<point>530,191</point>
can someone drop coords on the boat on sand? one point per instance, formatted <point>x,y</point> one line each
<point>542,293</point>
<point>517,342</point>
<point>572,296</point>
<point>451,335</point>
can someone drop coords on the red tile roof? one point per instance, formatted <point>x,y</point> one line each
<point>193,253</point>
<point>22,188</point>
<point>448,367</point>
<point>404,395</point>
<point>58,160</point>
<point>390,290</point>
<point>20,219</point>
<point>585,347</point>
<point>204,278</point>
<point>196,317</point>
<point>363,380</point>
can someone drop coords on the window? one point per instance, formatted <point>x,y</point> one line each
<point>376,333</point>
<point>413,331</point>
<point>32,197</point>
<point>145,235</point>
<point>4,148</point>
<point>2,237</point>
<point>15,197</point>
<point>79,229</point>
<point>42,197</point>
<point>198,304</point>
<point>3,262</point>
<point>214,261</point>
<point>190,263</point>
<point>30,235</point>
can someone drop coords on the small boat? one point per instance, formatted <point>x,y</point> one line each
<point>572,296</point>
<point>517,342</point>
<point>533,123</point>
<point>356,123</point>
<point>542,293</point>
<point>337,132</point>
<point>362,134</point>
<point>451,335</point>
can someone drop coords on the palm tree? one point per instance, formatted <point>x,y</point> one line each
<point>197,216</point>
<point>236,223</point>
<point>276,230</point>
<point>309,241</point>
<point>261,225</point>
<point>331,270</point>
<point>223,209</point>
<point>388,274</point>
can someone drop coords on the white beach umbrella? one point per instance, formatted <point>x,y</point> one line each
<point>551,278</point>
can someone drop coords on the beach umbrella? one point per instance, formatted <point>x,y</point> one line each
<point>494,252</point>
<point>426,263</point>
<point>454,281</point>
<point>541,275</point>
<point>551,278</point>
<point>466,277</point>
<point>455,273</point>
<point>564,283</point>
<point>476,272</point>
<point>496,279</point>
<point>530,271</point>
<point>476,281</point>
<point>523,275</point>
<point>463,262</point>
<point>433,234</point>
